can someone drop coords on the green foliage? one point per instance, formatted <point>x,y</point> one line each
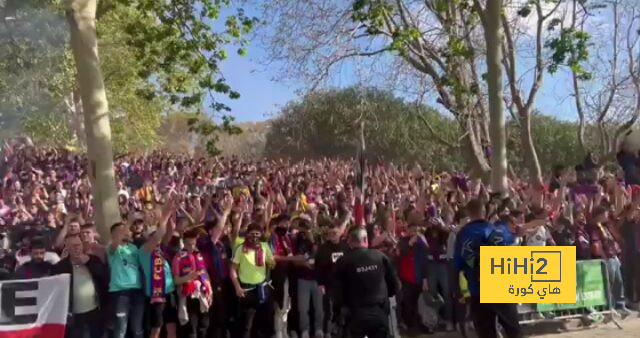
<point>570,48</point>
<point>206,127</point>
<point>40,127</point>
<point>385,19</point>
<point>458,47</point>
<point>441,6</point>
<point>373,14</point>
<point>556,142</point>
<point>135,116</point>
<point>32,64</point>
<point>179,50</point>
<point>156,56</point>
<point>326,124</point>
<point>180,54</point>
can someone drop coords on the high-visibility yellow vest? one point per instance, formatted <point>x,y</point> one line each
<point>464,289</point>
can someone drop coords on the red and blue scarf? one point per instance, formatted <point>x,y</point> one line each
<point>185,263</point>
<point>218,260</point>
<point>158,282</point>
<point>257,247</point>
<point>281,245</point>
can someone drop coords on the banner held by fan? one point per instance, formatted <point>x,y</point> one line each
<point>34,308</point>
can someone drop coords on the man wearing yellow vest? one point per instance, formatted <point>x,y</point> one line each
<point>250,267</point>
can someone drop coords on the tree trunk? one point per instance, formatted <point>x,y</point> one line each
<point>529,150</point>
<point>474,154</point>
<point>84,45</point>
<point>497,132</point>
<point>77,116</point>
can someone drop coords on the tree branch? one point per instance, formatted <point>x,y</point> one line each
<point>614,64</point>
<point>509,63</point>
<point>580,110</point>
<point>478,8</point>
<point>576,91</point>
<point>331,63</point>
<point>553,10</point>
<point>433,133</point>
<point>539,68</point>
<point>635,78</point>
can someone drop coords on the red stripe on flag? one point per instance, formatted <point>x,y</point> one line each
<point>44,331</point>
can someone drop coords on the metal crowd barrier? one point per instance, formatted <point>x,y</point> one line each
<point>593,296</point>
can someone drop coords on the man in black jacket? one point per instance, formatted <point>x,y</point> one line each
<point>37,266</point>
<point>7,264</point>
<point>364,281</point>
<point>89,284</point>
<point>326,257</point>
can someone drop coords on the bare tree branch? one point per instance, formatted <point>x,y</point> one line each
<point>539,68</point>
<point>614,64</point>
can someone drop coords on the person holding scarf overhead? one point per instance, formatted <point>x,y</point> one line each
<point>159,285</point>
<point>249,273</point>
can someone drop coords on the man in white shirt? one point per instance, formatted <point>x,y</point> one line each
<point>538,237</point>
<point>89,283</point>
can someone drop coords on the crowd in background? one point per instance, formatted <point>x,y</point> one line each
<point>210,247</point>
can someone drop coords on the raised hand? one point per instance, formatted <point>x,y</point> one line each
<point>226,204</point>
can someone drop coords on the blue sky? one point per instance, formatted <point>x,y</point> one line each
<point>261,96</point>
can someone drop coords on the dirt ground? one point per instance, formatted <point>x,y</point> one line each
<point>630,328</point>
<point>573,329</point>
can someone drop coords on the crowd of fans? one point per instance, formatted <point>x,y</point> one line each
<point>212,247</point>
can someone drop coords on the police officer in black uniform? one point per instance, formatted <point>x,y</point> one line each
<point>364,281</point>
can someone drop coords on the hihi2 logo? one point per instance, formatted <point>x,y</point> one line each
<point>527,274</point>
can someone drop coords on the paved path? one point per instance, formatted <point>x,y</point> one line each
<point>630,328</point>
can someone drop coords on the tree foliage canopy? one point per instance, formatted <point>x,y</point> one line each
<point>325,123</point>
<point>157,57</point>
<point>436,48</point>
